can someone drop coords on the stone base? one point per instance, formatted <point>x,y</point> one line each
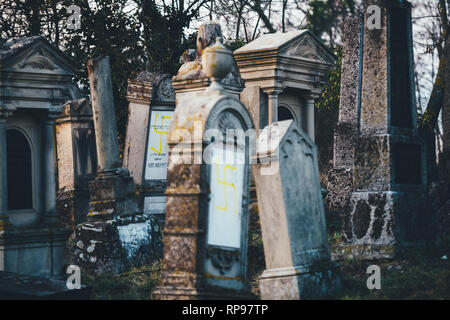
<point>362,252</point>
<point>379,221</point>
<point>112,194</point>
<point>72,206</point>
<point>340,184</point>
<point>36,252</point>
<point>117,245</point>
<point>300,283</point>
<point>200,293</point>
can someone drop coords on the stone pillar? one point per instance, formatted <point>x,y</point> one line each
<point>4,219</point>
<point>388,206</point>
<point>100,248</point>
<point>272,106</point>
<point>310,118</point>
<point>104,117</point>
<point>112,191</point>
<point>340,177</point>
<point>272,110</point>
<point>77,161</point>
<point>48,162</point>
<point>205,243</point>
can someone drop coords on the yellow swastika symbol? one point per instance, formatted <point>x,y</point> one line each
<point>161,133</point>
<point>226,184</point>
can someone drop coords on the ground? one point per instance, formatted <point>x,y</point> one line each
<point>416,273</point>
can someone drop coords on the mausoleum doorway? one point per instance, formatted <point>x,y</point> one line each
<point>19,166</point>
<point>285,113</point>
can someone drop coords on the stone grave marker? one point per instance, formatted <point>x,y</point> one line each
<point>117,235</point>
<point>292,216</point>
<point>388,205</point>
<point>205,237</point>
<point>152,101</point>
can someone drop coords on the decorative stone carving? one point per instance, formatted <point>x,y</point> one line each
<point>192,67</point>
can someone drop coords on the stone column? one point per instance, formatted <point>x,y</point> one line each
<point>113,191</point>
<point>388,207</point>
<point>310,117</point>
<point>272,108</point>
<point>340,181</point>
<point>4,219</point>
<point>104,117</point>
<point>48,163</point>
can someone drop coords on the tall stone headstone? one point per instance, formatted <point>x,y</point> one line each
<point>205,235</point>
<point>146,155</point>
<point>292,216</point>
<point>340,178</point>
<point>112,191</point>
<point>116,235</point>
<point>76,159</point>
<point>388,207</point>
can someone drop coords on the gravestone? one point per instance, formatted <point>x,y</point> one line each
<point>388,206</point>
<point>116,235</point>
<point>205,235</point>
<point>292,216</point>
<point>76,159</point>
<point>340,177</point>
<point>152,101</point>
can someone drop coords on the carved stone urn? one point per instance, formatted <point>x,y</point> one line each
<point>217,62</point>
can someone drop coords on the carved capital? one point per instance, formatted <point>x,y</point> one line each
<point>5,113</point>
<point>53,114</point>
<point>273,91</point>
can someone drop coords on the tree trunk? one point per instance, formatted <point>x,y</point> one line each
<point>436,101</point>
<point>446,102</point>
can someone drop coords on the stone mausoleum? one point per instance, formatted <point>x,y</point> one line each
<point>283,73</point>
<point>36,80</point>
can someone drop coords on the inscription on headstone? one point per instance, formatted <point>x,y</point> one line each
<point>225,206</point>
<point>157,149</point>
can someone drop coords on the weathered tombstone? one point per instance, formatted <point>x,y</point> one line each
<point>283,74</point>
<point>292,216</point>
<point>205,236</point>
<point>388,206</point>
<point>152,101</point>
<point>76,159</point>
<point>340,177</point>
<point>116,236</point>
<point>36,82</point>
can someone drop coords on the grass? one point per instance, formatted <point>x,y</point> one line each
<point>416,273</point>
<point>136,284</point>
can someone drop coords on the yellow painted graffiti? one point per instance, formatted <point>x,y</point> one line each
<point>161,133</point>
<point>225,184</point>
